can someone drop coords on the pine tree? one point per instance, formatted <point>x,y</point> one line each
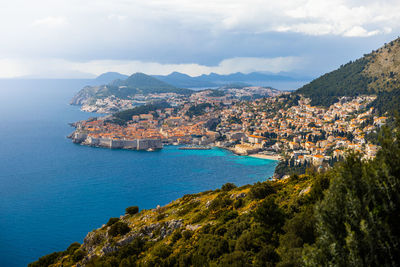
<point>357,221</point>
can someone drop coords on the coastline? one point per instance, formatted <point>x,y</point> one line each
<point>257,155</point>
<point>82,138</point>
<point>263,156</point>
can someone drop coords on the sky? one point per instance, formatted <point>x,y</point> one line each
<point>82,39</point>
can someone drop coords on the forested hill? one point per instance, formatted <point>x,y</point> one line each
<point>142,81</point>
<point>375,73</point>
<point>346,216</point>
<point>137,83</point>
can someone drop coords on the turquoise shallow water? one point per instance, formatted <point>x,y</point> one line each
<point>52,192</point>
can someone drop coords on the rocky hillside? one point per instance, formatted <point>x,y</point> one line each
<point>347,216</point>
<point>86,94</point>
<point>375,73</point>
<point>214,226</point>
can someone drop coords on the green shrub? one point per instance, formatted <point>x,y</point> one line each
<point>267,257</point>
<point>261,190</point>
<point>78,255</point>
<point>212,247</point>
<point>111,221</point>
<point>221,201</point>
<point>74,246</point>
<point>132,249</point>
<point>220,231</point>
<point>176,236</point>
<point>235,259</point>
<point>269,214</point>
<point>188,207</point>
<point>132,210</point>
<point>160,216</point>
<point>248,241</point>
<point>187,234</point>
<point>228,187</point>
<point>238,203</point>
<point>228,215</point>
<point>119,228</point>
<point>199,217</point>
<point>162,251</point>
<point>46,260</point>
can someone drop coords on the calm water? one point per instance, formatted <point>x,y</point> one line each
<point>53,192</point>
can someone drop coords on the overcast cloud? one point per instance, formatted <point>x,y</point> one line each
<point>71,38</point>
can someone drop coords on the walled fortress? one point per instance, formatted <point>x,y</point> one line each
<point>136,144</point>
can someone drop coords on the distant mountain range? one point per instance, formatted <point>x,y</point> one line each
<point>182,80</point>
<point>123,86</point>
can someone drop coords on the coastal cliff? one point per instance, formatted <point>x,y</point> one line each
<point>84,95</point>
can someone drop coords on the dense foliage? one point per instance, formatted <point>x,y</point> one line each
<point>137,83</point>
<point>357,221</point>
<point>140,83</point>
<point>132,210</point>
<point>124,116</point>
<point>287,167</point>
<point>51,258</point>
<point>118,228</point>
<point>212,124</point>
<point>376,73</point>
<point>348,80</point>
<point>387,102</point>
<point>197,110</point>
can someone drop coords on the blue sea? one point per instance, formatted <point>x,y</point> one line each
<point>53,192</point>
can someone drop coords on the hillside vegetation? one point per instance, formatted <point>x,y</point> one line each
<point>138,83</point>
<point>347,216</point>
<point>122,117</point>
<point>375,73</point>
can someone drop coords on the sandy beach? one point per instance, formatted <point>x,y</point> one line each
<point>263,156</point>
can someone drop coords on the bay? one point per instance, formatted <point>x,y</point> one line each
<point>53,192</point>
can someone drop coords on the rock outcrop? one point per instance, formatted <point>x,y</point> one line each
<point>84,95</point>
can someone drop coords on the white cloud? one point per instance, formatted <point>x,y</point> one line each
<point>51,22</point>
<point>310,17</point>
<point>117,17</point>
<point>60,68</point>
<point>360,31</point>
<point>176,31</point>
